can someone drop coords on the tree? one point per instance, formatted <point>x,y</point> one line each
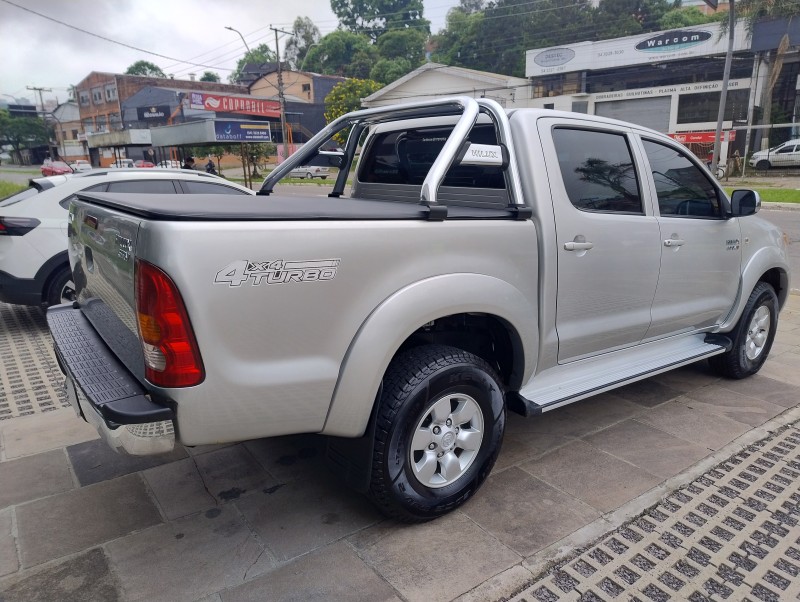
<point>258,56</point>
<point>346,96</point>
<point>304,35</point>
<point>459,43</point>
<point>408,44</point>
<point>342,53</point>
<point>386,71</point>
<point>376,17</point>
<point>21,132</point>
<point>145,68</point>
<point>210,76</point>
<point>618,18</point>
<point>686,17</point>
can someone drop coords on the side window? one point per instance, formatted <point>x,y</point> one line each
<point>786,149</point>
<point>143,186</point>
<point>96,188</point>
<point>190,187</point>
<point>598,171</point>
<point>683,189</point>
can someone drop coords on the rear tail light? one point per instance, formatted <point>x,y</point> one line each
<point>17,226</point>
<point>171,355</point>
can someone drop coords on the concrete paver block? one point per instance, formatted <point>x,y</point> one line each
<point>594,477</point>
<point>768,389</point>
<point>42,432</point>
<point>69,522</point>
<point>33,477</point>
<point>298,517</point>
<point>655,451</point>
<point>647,393</point>
<point>291,457</point>
<point>189,558</point>
<point>525,513</point>
<point>733,405</point>
<point>83,578</point>
<point>179,488</point>
<point>679,418</point>
<point>338,575</point>
<point>94,461</point>
<point>230,472</point>
<point>437,561</point>
<point>9,562</point>
<point>688,378</point>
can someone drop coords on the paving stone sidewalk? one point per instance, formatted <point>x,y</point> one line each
<point>730,534</point>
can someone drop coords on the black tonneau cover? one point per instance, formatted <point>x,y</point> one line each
<point>215,207</point>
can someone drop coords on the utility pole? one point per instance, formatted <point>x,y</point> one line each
<point>280,91</point>
<point>39,90</point>
<point>724,93</point>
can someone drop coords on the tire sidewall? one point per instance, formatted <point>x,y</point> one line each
<point>468,379</point>
<point>57,284</point>
<point>766,297</point>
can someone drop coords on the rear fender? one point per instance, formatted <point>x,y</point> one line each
<point>400,315</point>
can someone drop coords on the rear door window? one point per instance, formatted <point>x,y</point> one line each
<point>96,188</point>
<point>191,187</point>
<point>144,186</point>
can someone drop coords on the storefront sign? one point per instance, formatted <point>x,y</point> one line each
<point>673,40</point>
<point>703,137</point>
<point>734,84</point>
<point>553,57</point>
<point>242,131</point>
<point>159,113</point>
<point>234,104</point>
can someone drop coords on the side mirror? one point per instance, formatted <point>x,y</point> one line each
<point>745,202</point>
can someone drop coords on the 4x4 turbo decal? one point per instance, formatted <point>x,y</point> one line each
<point>276,272</point>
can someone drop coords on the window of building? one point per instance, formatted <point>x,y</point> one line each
<point>598,171</point>
<point>84,97</point>
<point>88,125</point>
<point>580,106</point>
<point>550,105</point>
<point>699,108</point>
<point>683,189</point>
<point>111,93</point>
<point>306,87</point>
<point>97,96</point>
<point>100,122</point>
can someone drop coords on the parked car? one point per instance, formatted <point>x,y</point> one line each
<point>123,163</point>
<point>55,168</point>
<point>34,267</point>
<point>783,155</point>
<point>169,164</point>
<point>80,165</point>
<point>310,172</point>
<point>141,163</point>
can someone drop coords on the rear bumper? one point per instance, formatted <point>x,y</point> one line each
<point>21,291</point>
<point>103,392</point>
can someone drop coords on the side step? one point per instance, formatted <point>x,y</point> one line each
<point>563,384</point>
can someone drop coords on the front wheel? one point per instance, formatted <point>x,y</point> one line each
<point>309,176</point>
<point>763,165</point>
<point>440,423</point>
<point>753,335</point>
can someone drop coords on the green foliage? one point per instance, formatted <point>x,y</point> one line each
<point>386,71</point>
<point>258,55</point>
<point>346,96</point>
<point>408,44</point>
<point>304,35</point>
<point>22,132</point>
<point>684,17</point>
<point>460,43</point>
<point>145,68</point>
<point>376,17</point>
<point>617,18</point>
<point>210,76</point>
<point>342,53</point>
<point>754,10</point>
<point>9,188</point>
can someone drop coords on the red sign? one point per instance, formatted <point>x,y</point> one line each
<point>235,104</point>
<point>707,137</point>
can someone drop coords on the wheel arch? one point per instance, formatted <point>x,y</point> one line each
<point>48,272</point>
<point>767,265</point>
<point>475,302</point>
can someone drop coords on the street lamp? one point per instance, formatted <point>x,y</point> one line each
<point>241,36</point>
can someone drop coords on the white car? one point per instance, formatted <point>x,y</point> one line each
<point>81,165</point>
<point>169,164</point>
<point>310,172</point>
<point>34,267</point>
<point>123,163</point>
<point>783,155</point>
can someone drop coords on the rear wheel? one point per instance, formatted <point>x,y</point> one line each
<point>440,423</point>
<point>752,337</point>
<point>62,288</point>
<point>309,176</point>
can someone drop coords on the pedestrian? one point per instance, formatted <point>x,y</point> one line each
<point>210,167</point>
<point>188,163</point>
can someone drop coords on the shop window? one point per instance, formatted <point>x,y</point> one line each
<point>580,106</point>
<point>703,108</point>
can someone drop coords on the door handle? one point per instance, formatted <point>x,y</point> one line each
<point>674,242</point>
<point>578,246</point>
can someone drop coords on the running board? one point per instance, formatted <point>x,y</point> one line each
<point>564,384</point>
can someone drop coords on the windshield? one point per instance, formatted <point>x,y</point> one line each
<point>19,196</point>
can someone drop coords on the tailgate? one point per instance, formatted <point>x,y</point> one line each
<point>102,243</point>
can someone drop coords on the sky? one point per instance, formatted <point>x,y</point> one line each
<point>38,52</point>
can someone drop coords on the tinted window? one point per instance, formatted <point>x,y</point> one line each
<point>406,156</point>
<point>208,188</point>
<point>96,188</point>
<point>598,171</point>
<point>683,189</point>
<point>143,186</point>
<point>19,196</point>
<point>787,149</point>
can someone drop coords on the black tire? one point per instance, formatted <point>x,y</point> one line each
<point>62,287</point>
<point>752,337</point>
<point>309,176</point>
<point>763,165</point>
<point>412,485</point>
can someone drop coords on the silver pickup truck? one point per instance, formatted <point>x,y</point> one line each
<point>482,260</point>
